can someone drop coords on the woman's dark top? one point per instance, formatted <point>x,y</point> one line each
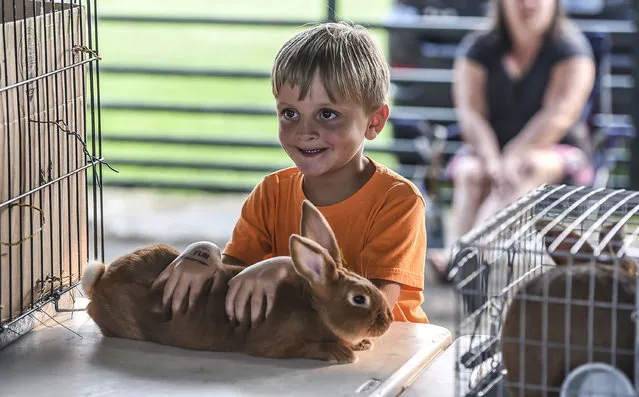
<point>512,102</point>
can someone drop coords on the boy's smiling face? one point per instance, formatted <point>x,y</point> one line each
<point>320,136</point>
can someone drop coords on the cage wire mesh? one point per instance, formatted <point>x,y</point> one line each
<point>50,152</point>
<point>546,296</point>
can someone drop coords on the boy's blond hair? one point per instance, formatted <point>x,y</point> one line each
<point>351,65</point>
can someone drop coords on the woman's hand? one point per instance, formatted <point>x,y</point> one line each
<point>493,169</point>
<point>187,275</point>
<point>514,168</point>
<point>257,283</point>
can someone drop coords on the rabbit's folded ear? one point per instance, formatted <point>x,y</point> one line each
<point>561,255</point>
<point>615,242</point>
<point>310,260</point>
<point>315,227</point>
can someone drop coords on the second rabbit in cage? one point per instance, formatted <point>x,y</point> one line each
<point>577,312</point>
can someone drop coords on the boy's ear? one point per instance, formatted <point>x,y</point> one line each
<point>309,260</point>
<point>315,227</point>
<point>377,121</point>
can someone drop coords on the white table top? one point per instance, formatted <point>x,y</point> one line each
<point>54,358</point>
<point>439,379</point>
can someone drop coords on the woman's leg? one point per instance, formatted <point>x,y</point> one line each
<point>471,187</point>
<point>474,200</point>
<point>542,166</point>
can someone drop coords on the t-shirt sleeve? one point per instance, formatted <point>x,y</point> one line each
<point>251,238</point>
<point>396,249</point>
<point>572,43</point>
<point>476,46</point>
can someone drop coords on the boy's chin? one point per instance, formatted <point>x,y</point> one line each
<point>311,172</point>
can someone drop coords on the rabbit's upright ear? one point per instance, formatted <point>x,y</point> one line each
<point>315,227</point>
<point>310,260</point>
<point>561,255</point>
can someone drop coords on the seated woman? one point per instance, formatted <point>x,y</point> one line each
<point>520,89</point>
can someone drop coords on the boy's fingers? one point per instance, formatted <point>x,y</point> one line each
<point>270,300</point>
<point>171,283</point>
<point>157,285</point>
<point>181,292</point>
<point>256,306</point>
<point>230,299</point>
<point>194,293</point>
<point>241,299</point>
<point>158,280</point>
<point>163,276</point>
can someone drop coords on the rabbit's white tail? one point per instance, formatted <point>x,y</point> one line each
<point>92,274</point>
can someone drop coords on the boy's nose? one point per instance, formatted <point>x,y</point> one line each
<point>307,132</point>
<point>307,137</point>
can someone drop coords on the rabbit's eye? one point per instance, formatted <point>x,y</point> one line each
<point>359,299</point>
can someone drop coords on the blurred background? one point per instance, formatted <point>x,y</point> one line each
<point>188,115</point>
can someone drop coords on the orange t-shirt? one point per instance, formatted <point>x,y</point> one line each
<point>380,229</point>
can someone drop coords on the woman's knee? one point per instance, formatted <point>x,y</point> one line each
<point>543,166</point>
<point>471,172</point>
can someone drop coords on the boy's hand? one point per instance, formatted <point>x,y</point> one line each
<point>187,275</point>
<point>256,282</point>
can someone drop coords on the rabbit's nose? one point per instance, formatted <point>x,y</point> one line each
<point>389,315</point>
<point>385,317</point>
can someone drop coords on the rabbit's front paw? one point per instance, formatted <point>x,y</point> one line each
<point>342,354</point>
<point>364,344</point>
<point>329,351</point>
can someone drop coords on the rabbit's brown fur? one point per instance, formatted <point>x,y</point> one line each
<point>525,315</point>
<point>313,316</point>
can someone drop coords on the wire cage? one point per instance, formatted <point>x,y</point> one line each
<point>50,155</point>
<point>546,296</point>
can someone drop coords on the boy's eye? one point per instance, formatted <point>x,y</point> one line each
<point>289,113</point>
<point>327,115</point>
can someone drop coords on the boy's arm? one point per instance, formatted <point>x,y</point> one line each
<point>395,251</point>
<point>390,289</point>
<point>250,248</point>
<point>186,276</point>
<point>250,240</point>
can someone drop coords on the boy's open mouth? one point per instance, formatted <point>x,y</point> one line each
<point>311,152</point>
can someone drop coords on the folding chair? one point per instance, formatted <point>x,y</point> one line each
<point>608,138</point>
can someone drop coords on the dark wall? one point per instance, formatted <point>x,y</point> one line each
<point>634,160</point>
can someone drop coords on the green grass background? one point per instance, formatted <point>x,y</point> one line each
<point>203,46</point>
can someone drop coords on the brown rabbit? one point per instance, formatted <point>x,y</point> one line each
<point>523,326</point>
<point>325,312</point>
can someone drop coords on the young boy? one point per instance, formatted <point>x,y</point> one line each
<point>330,84</point>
